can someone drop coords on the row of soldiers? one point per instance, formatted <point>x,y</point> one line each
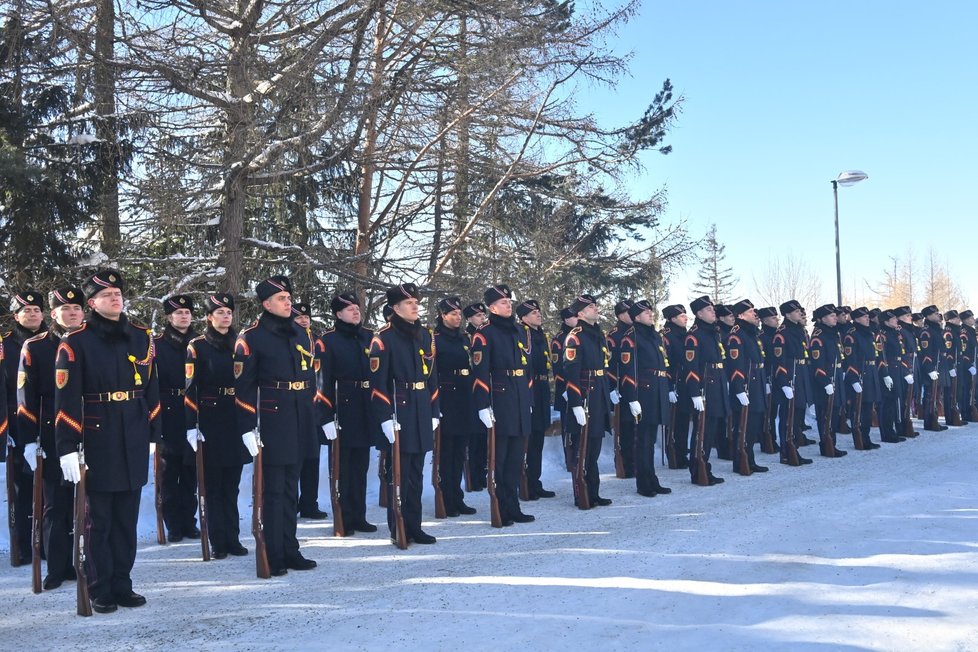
<point>94,392</point>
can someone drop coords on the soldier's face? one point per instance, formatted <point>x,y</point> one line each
<point>279,304</point>
<point>533,318</point>
<point>108,303</point>
<point>729,320</point>
<point>864,320</point>
<point>452,319</point>
<point>502,307</point>
<point>680,320</point>
<point>570,322</point>
<point>796,316</point>
<point>954,320</point>
<point>349,315</point>
<point>478,319</point>
<point>891,322</point>
<point>407,309</point>
<point>750,317</point>
<point>221,319</point>
<point>180,319</point>
<point>646,318</point>
<point>30,317</point>
<point>624,317</point>
<point>68,316</point>
<point>706,315</point>
<point>905,319</point>
<point>830,319</point>
<point>970,321</point>
<point>935,317</point>
<point>303,321</point>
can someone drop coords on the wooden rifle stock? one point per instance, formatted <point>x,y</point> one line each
<point>619,461</point>
<point>205,544</point>
<point>400,532</point>
<point>701,473</point>
<point>580,468</point>
<point>82,599</point>
<point>37,517</point>
<point>339,529</point>
<point>158,492</point>
<point>262,568</point>
<point>495,516</point>
<point>440,511</point>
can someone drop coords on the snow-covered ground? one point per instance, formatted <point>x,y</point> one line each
<point>874,551</point>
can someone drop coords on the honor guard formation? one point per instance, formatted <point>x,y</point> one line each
<point>87,391</point>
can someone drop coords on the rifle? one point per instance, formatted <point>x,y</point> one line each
<point>955,410</point>
<point>857,426</point>
<point>262,568</point>
<point>789,449</point>
<point>669,438</point>
<point>580,469</point>
<point>339,529</point>
<point>83,601</point>
<point>467,471</point>
<point>15,559</point>
<point>36,519</point>
<point>767,437</point>
<point>495,516</point>
<point>524,481</point>
<point>828,441</point>
<point>205,544</point>
<point>844,428</point>
<point>701,474</point>
<point>400,533</point>
<point>741,459</point>
<point>383,493</point>
<point>440,511</point>
<point>158,492</point>
<point>619,461</point>
<point>568,440</point>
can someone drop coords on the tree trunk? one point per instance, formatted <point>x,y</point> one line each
<point>105,126</point>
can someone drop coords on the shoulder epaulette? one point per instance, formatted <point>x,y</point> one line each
<point>575,330</point>
<point>383,328</point>
<point>76,331</point>
<point>35,338</point>
<point>248,328</point>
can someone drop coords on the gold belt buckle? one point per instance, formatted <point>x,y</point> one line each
<point>599,372</point>
<point>229,391</point>
<point>365,384</point>
<point>463,372</point>
<point>419,385</point>
<point>297,385</point>
<point>118,396</point>
<point>518,372</point>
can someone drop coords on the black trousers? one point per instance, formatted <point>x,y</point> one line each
<point>280,500</point>
<point>965,380</point>
<point>534,461</point>
<point>643,459</point>
<point>713,431</point>
<point>450,468</point>
<point>755,423</point>
<point>591,476</point>
<point>59,502</point>
<point>179,491</point>
<point>354,465</point>
<point>223,520</point>
<point>477,458</point>
<point>412,471</point>
<point>681,436</point>
<point>309,484</point>
<point>821,402</point>
<point>23,501</point>
<point>798,417</point>
<point>929,402</point>
<point>865,419</point>
<point>112,517</point>
<point>509,471</point>
<point>888,416</point>
<point>626,439</point>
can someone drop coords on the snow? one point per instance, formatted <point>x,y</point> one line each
<point>83,139</point>
<point>874,551</point>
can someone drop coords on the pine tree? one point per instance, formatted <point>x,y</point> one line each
<point>715,278</point>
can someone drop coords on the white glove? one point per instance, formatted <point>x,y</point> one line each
<point>788,392</point>
<point>767,389</point>
<point>250,441</point>
<point>698,403</point>
<point>635,407</point>
<point>673,398</point>
<point>742,397</point>
<point>829,389</point>
<point>70,468</point>
<point>194,436</point>
<point>434,423</point>
<point>908,379</point>
<point>952,372</point>
<point>857,387</point>
<point>329,430</point>
<point>487,417</point>
<point>579,415</point>
<point>888,382</point>
<point>388,428</point>
<point>932,375</point>
<point>615,397</point>
<point>564,396</point>
<point>972,370</point>
<point>30,455</point>
<point>10,441</point>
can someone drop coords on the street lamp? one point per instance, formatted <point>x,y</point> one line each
<point>847,178</point>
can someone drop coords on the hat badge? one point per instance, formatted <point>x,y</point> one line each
<point>182,301</point>
<point>30,297</point>
<point>112,278</point>
<point>71,295</point>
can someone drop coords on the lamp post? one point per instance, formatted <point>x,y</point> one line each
<point>847,178</point>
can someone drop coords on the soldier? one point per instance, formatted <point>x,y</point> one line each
<point>568,323</point>
<point>503,396</point>
<point>967,370</point>
<point>210,415</point>
<point>791,379</point>
<point>726,319</point>
<point>345,373</point>
<point>862,375</point>
<point>706,382</point>
<point>908,371</point>
<point>825,347</point>
<point>404,397</point>
<point>588,392</point>
<point>28,310</point>
<point>475,317</point>
<point>748,380</point>
<point>931,343</point>
<point>892,366</point>
<point>309,473</point>
<point>539,358</point>
<point>645,386</point>
<point>623,424</point>
<point>455,398</point>
<point>952,361</point>
<point>273,369</point>
<point>107,399</point>
<point>769,328</point>
<point>35,416</point>
<point>677,423</point>
<point>179,482</point>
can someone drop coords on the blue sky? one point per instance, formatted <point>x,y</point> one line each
<point>782,96</point>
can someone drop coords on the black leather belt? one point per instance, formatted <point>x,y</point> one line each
<point>542,377</point>
<point>220,391</point>
<point>294,386</point>
<point>362,384</point>
<point>519,373</point>
<point>654,372</point>
<point>415,386</point>
<point>458,372</point>
<point>175,392</point>
<point>113,397</point>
